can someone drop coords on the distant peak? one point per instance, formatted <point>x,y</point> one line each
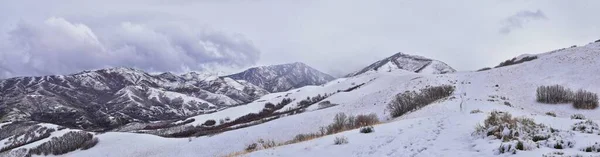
<point>405,55</point>
<point>407,62</point>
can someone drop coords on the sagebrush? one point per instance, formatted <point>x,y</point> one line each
<point>340,140</point>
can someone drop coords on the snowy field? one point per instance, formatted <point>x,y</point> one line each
<point>444,128</point>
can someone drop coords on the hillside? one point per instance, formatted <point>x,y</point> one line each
<point>443,128</point>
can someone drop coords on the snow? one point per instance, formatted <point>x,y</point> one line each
<point>443,128</point>
<point>156,94</point>
<point>234,84</point>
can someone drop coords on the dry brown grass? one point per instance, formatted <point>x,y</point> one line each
<point>365,120</point>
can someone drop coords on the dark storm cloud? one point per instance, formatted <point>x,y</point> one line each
<point>58,46</point>
<point>519,19</point>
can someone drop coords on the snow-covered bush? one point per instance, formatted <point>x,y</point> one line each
<point>266,144</point>
<point>512,147</point>
<point>521,133</point>
<point>588,127</point>
<point>70,141</point>
<point>340,140</point>
<point>555,94</point>
<point>578,116</point>
<point>411,100</point>
<point>367,129</point>
<point>593,148</point>
<point>551,114</point>
<point>476,111</point>
<point>502,125</point>
<point>585,100</point>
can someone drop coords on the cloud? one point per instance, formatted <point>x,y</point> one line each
<point>518,20</point>
<point>58,46</point>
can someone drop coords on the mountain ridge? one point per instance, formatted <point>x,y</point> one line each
<point>283,77</point>
<point>411,63</point>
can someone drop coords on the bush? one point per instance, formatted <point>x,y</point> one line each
<point>551,114</point>
<point>210,122</point>
<point>339,122</point>
<point>593,148</point>
<point>325,104</point>
<point>578,116</point>
<point>367,129</point>
<point>342,122</point>
<point>522,133</point>
<point>267,144</point>
<point>555,94</point>
<point>588,126</point>
<point>497,123</point>
<point>476,111</point>
<point>70,141</point>
<point>365,120</point>
<point>409,101</point>
<point>520,146</point>
<point>340,140</point>
<point>269,105</point>
<point>484,69</point>
<point>89,144</point>
<point>585,100</point>
<point>251,147</point>
<point>515,61</point>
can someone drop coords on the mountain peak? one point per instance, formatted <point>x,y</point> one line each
<point>412,63</point>
<point>283,77</point>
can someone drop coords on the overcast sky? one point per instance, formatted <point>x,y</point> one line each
<point>334,36</point>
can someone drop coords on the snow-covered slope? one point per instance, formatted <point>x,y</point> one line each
<point>443,128</point>
<point>107,98</point>
<point>279,78</point>
<point>412,63</point>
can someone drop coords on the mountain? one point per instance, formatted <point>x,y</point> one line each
<point>268,127</point>
<point>425,131</point>
<point>412,63</point>
<point>279,78</point>
<point>111,97</point>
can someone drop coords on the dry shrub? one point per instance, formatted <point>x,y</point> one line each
<point>585,100</point>
<point>410,101</point>
<point>555,94</point>
<point>340,140</point>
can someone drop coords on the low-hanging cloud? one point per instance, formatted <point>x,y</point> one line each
<point>58,46</point>
<point>519,19</point>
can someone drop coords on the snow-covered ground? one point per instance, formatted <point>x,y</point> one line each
<point>443,128</point>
